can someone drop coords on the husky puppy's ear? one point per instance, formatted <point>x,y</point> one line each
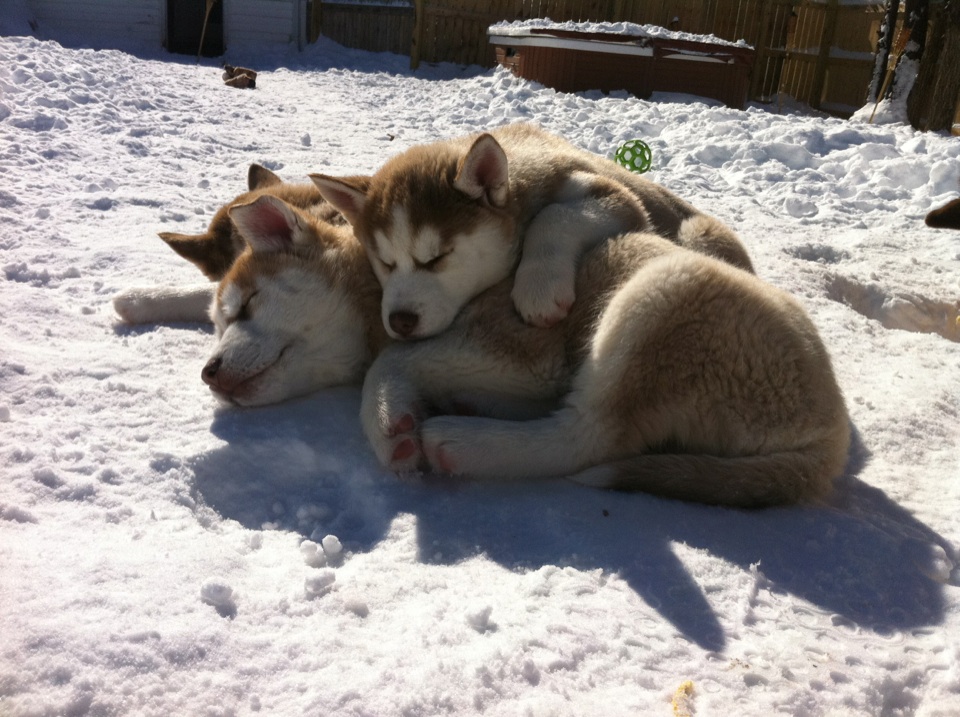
<point>345,195</point>
<point>482,174</point>
<point>259,177</point>
<point>212,252</point>
<point>269,224</point>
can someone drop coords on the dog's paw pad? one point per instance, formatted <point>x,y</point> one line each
<point>404,450</point>
<point>405,424</point>
<point>406,456</point>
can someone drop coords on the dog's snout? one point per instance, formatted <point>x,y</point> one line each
<point>209,373</point>
<point>404,323</point>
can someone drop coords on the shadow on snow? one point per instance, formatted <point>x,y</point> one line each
<point>305,466</point>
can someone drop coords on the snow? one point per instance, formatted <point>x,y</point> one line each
<point>523,28</point>
<point>163,555</point>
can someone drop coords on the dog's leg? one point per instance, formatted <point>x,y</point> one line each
<point>558,445</point>
<point>446,371</point>
<point>165,304</point>
<point>588,210</point>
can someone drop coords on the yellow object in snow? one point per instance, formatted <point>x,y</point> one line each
<point>683,700</point>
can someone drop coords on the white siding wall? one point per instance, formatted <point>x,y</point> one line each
<point>111,23</point>
<point>249,22</point>
<point>104,22</point>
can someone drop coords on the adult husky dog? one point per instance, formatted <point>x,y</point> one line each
<point>678,373</point>
<point>442,222</point>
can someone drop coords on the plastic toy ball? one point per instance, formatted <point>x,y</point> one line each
<point>635,155</point>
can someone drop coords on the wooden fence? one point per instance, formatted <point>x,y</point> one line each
<point>818,51</point>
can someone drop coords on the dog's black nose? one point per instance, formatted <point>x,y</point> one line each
<point>209,373</point>
<point>404,323</point>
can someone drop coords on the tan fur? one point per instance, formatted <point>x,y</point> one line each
<point>678,374</point>
<point>214,250</point>
<point>516,182</point>
<point>294,313</point>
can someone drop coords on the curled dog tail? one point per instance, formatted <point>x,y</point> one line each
<point>737,482</point>
<point>707,235</point>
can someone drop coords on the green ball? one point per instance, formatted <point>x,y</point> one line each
<point>635,155</point>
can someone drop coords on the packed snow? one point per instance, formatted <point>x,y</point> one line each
<point>522,28</point>
<point>164,555</point>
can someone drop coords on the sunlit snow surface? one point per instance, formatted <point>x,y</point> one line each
<point>152,555</point>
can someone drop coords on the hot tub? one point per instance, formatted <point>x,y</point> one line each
<point>621,56</point>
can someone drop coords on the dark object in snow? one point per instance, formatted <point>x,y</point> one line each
<point>946,217</point>
<point>580,60</point>
<point>240,77</point>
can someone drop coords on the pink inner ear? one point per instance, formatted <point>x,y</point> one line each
<point>272,226</point>
<point>345,201</point>
<point>486,171</point>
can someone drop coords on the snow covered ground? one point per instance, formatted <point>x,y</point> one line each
<point>152,543</point>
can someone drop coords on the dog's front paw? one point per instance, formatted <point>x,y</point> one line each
<point>446,447</point>
<point>543,294</point>
<point>395,440</point>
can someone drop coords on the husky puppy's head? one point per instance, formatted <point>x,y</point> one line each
<point>438,225</point>
<point>285,321</point>
<point>214,251</point>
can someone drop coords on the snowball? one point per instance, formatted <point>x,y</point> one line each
<point>216,592</point>
<point>320,583</point>
<point>331,545</point>
<point>357,606</point>
<point>312,554</point>
<point>479,620</point>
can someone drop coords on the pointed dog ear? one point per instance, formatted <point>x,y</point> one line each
<point>212,253</point>
<point>483,172</point>
<point>259,177</point>
<point>269,224</point>
<point>347,195</point>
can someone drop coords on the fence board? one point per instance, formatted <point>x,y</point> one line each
<point>366,27</point>
<point>799,52</point>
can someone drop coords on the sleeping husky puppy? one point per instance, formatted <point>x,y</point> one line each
<point>443,222</point>
<point>297,305</point>
<point>295,313</point>
<point>214,251</point>
<point>679,374</point>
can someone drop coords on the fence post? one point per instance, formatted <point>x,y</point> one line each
<point>823,59</point>
<point>417,39</point>
<point>761,58</point>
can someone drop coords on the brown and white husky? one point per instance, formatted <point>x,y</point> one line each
<point>676,373</point>
<point>444,221</point>
<point>295,303</point>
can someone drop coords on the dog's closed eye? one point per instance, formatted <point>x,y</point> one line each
<point>433,264</point>
<point>245,311</point>
<point>236,307</point>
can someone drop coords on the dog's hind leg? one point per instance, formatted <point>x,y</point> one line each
<point>165,304</point>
